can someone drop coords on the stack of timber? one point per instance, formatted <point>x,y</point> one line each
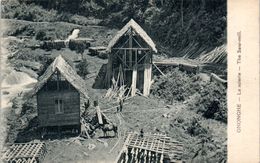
<point>93,51</point>
<point>117,92</point>
<point>25,153</point>
<point>103,54</point>
<point>150,148</point>
<point>54,44</point>
<point>73,44</point>
<point>118,88</point>
<point>79,44</point>
<point>187,67</point>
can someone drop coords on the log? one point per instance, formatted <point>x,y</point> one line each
<point>159,70</point>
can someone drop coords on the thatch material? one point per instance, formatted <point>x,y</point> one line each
<point>138,29</point>
<point>218,55</point>
<point>59,64</point>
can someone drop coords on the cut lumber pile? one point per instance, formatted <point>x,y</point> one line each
<point>54,44</point>
<point>99,51</point>
<point>118,90</point>
<point>79,44</point>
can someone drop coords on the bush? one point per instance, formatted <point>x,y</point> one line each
<point>83,68</point>
<point>195,128</point>
<point>207,98</point>
<point>41,35</point>
<point>171,87</point>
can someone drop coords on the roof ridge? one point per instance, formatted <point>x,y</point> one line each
<point>139,30</point>
<point>69,74</point>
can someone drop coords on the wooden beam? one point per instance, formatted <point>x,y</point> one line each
<point>131,48</point>
<point>134,78</point>
<point>147,75</point>
<point>135,57</point>
<point>166,63</point>
<point>123,149</point>
<point>109,71</point>
<point>138,43</point>
<point>124,57</point>
<point>122,61</point>
<point>159,70</point>
<point>142,57</point>
<point>123,44</point>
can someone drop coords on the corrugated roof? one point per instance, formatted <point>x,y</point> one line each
<point>138,29</point>
<point>68,73</point>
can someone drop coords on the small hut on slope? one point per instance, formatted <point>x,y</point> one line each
<point>58,95</point>
<point>130,55</point>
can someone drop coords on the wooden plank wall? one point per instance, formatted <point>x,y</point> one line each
<point>46,108</point>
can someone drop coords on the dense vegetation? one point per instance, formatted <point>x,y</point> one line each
<point>185,27</point>
<point>204,97</point>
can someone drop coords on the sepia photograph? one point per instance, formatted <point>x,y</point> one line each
<point>120,81</point>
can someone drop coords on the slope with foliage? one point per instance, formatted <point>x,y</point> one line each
<point>186,28</point>
<point>203,96</point>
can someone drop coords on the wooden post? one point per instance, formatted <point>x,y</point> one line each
<point>99,115</point>
<point>130,48</point>
<point>134,77</point>
<point>58,80</point>
<point>109,70</point>
<point>124,58</point>
<point>147,75</point>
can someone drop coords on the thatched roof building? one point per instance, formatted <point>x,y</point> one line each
<point>59,64</point>
<point>131,52</point>
<point>138,29</point>
<point>58,95</point>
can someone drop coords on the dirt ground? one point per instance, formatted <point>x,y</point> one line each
<point>151,114</point>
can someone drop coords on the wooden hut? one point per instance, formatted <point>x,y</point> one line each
<point>130,52</point>
<point>58,95</point>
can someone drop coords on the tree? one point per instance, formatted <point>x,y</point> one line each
<point>83,68</point>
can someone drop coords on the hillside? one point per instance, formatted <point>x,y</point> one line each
<point>188,107</point>
<point>181,28</point>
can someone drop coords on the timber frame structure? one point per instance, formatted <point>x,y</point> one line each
<point>24,153</point>
<point>130,59</point>
<point>150,148</point>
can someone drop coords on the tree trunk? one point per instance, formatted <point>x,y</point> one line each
<point>182,13</point>
<point>161,2</point>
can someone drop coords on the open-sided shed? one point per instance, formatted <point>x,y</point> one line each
<point>150,148</point>
<point>58,95</point>
<point>130,55</point>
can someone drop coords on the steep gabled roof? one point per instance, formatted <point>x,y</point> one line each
<point>68,73</point>
<point>138,29</point>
